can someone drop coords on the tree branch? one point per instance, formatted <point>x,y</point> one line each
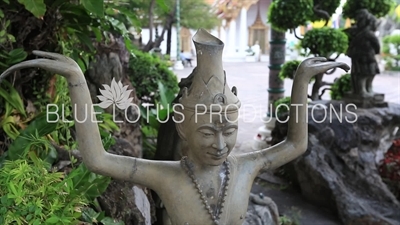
<point>321,13</point>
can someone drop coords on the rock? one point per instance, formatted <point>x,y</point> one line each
<point>125,201</point>
<point>262,210</point>
<point>340,168</point>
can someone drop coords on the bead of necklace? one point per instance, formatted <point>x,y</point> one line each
<point>215,216</point>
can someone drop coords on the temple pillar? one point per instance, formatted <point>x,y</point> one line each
<point>276,89</point>
<point>232,37</point>
<point>243,30</point>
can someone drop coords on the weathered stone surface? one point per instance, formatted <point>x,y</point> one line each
<point>111,62</point>
<point>126,201</point>
<point>262,210</point>
<point>340,169</point>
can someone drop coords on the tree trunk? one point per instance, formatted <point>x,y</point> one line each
<point>169,37</point>
<point>149,44</point>
<point>317,85</point>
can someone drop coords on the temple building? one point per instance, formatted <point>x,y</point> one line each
<point>243,27</point>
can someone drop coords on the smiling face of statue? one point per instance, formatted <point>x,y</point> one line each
<point>210,137</point>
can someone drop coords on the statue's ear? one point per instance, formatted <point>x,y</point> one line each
<point>179,129</point>
<point>179,123</point>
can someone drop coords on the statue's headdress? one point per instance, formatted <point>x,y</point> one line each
<point>209,86</point>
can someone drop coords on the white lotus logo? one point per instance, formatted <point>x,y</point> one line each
<point>116,94</point>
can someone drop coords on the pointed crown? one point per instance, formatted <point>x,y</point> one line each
<point>209,87</point>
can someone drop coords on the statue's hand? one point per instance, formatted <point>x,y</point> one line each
<point>56,63</point>
<point>317,65</point>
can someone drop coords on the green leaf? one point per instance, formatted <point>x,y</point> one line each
<point>164,100</point>
<point>36,7</point>
<point>12,96</point>
<point>86,40</point>
<point>162,5</point>
<point>94,6</point>
<point>40,125</point>
<point>53,220</point>
<point>110,221</point>
<point>16,56</point>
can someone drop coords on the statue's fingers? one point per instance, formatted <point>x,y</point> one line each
<point>325,66</point>
<point>50,55</point>
<point>318,59</point>
<point>344,67</point>
<point>312,61</point>
<point>47,64</point>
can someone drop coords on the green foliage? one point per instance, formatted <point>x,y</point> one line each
<point>12,57</point>
<point>30,194</point>
<point>282,105</point>
<point>391,51</point>
<point>36,7</point>
<point>288,69</point>
<point>328,6</point>
<point>145,70</point>
<point>194,14</point>
<point>14,115</point>
<point>151,119</point>
<point>91,216</point>
<point>324,42</point>
<point>340,87</point>
<point>289,14</point>
<point>378,8</point>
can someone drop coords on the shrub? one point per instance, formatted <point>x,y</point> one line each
<point>391,50</point>
<point>324,42</point>
<point>289,14</point>
<point>340,87</point>
<point>282,109</point>
<point>289,69</point>
<point>32,195</point>
<point>145,70</point>
<point>378,8</point>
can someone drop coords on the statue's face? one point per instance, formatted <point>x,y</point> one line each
<point>210,138</point>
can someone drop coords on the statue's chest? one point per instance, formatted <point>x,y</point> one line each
<point>226,204</point>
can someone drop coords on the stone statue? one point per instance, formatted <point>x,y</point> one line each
<point>363,46</point>
<point>208,185</point>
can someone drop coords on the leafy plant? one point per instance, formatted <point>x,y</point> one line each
<point>14,117</point>
<point>151,119</point>
<point>299,10</point>
<point>340,87</point>
<point>378,8</point>
<point>391,50</point>
<point>30,194</point>
<point>282,105</point>
<point>145,70</point>
<point>325,41</point>
<point>288,69</point>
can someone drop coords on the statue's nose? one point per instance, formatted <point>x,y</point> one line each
<point>219,143</point>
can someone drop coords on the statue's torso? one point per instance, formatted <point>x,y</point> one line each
<point>184,205</point>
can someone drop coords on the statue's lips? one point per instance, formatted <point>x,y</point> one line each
<point>217,156</point>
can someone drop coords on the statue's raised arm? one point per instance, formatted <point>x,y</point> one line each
<point>87,132</point>
<point>296,141</point>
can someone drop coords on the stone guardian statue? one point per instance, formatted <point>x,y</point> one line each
<point>209,185</point>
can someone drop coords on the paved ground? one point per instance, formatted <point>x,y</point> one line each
<point>251,80</point>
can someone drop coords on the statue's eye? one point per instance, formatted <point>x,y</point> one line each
<point>229,132</point>
<point>206,133</point>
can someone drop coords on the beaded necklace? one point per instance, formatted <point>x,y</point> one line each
<point>221,196</point>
